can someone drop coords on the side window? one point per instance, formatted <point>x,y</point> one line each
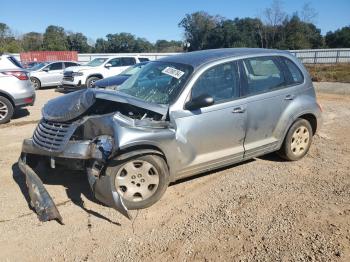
<point>263,74</point>
<point>115,62</point>
<point>143,59</point>
<point>128,61</point>
<point>220,82</point>
<point>296,75</point>
<point>55,66</point>
<point>68,64</point>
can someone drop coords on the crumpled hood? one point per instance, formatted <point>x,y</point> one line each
<point>70,106</point>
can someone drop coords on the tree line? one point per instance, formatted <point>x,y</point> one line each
<point>273,28</point>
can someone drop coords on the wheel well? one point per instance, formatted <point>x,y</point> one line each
<point>96,75</point>
<point>33,77</point>
<point>312,120</point>
<point>9,98</point>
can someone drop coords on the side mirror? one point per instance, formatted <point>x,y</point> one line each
<point>199,102</point>
<point>108,65</point>
<point>46,69</point>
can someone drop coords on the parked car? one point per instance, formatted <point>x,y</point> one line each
<point>15,91</point>
<point>49,73</point>
<point>98,68</point>
<point>177,117</point>
<point>9,62</point>
<point>29,65</point>
<point>114,81</point>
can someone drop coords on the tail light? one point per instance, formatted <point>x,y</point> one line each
<point>21,75</point>
<point>320,107</point>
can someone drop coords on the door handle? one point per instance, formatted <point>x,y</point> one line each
<point>289,97</point>
<point>238,110</point>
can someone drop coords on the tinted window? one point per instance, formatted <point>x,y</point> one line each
<point>296,75</point>
<point>128,61</point>
<point>263,74</point>
<point>220,82</point>
<point>55,66</point>
<point>143,59</point>
<point>68,64</point>
<point>15,62</point>
<point>115,62</point>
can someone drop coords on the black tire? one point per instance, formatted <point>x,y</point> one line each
<point>116,168</point>
<point>295,146</point>
<point>91,80</point>
<point>6,110</point>
<point>36,83</point>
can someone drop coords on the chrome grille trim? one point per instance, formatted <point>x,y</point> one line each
<point>53,136</point>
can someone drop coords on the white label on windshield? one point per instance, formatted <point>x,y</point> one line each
<point>173,72</point>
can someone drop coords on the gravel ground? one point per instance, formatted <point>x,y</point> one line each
<point>261,210</point>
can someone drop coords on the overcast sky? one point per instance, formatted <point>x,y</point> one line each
<point>152,19</point>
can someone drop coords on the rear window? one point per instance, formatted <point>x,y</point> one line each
<point>15,62</point>
<point>263,75</point>
<point>143,59</point>
<point>296,75</point>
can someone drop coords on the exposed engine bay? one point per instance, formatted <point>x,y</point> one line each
<point>86,127</point>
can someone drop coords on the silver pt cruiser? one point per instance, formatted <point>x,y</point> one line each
<point>178,116</point>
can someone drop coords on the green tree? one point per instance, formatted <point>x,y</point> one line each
<point>32,41</point>
<point>165,46</point>
<point>339,38</point>
<point>55,39</point>
<point>198,26</point>
<point>78,42</point>
<point>300,35</point>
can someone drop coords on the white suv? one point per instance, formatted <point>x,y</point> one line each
<point>98,68</point>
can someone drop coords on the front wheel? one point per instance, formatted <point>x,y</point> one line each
<point>91,81</point>
<point>297,141</point>
<point>140,180</point>
<point>36,83</point>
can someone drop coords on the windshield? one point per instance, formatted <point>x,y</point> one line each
<point>133,69</point>
<point>96,62</point>
<point>38,66</point>
<point>157,82</point>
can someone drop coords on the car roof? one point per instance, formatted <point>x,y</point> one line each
<point>198,58</point>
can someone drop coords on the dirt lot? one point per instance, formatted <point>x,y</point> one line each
<point>264,209</point>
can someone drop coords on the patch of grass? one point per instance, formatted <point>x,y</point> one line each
<point>330,73</point>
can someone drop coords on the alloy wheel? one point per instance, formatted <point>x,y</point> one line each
<point>3,110</point>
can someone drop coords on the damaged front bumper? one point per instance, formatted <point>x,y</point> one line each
<point>83,150</point>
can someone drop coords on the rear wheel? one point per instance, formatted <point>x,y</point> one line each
<point>91,81</point>
<point>6,110</point>
<point>298,141</point>
<point>140,180</point>
<point>36,83</point>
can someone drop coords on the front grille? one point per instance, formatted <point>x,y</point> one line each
<point>68,73</point>
<point>70,79</point>
<point>52,136</point>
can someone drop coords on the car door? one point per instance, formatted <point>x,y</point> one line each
<point>119,64</point>
<point>52,74</point>
<point>265,87</point>
<point>213,136</point>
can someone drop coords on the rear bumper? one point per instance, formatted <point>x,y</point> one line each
<point>27,101</point>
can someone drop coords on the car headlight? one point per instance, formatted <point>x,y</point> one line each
<point>77,73</point>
